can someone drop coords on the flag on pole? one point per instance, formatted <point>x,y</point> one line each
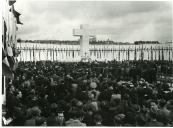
<point>151,53</point>
<point>135,54</point>
<point>163,53</point>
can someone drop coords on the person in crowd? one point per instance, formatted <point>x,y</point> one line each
<point>127,93</point>
<point>40,121</point>
<point>52,119</point>
<point>97,119</point>
<point>153,119</point>
<point>76,117</point>
<point>163,112</point>
<point>34,114</point>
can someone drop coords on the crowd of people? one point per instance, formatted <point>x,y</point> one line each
<point>95,93</point>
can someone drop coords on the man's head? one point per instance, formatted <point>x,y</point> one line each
<point>162,103</point>
<point>97,118</point>
<point>19,94</point>
<point>74,87</point>
<point>35,111</point>
<point>17,78</point>
<point>118,119</point>
<point>153,105</point>
<point>12,88</point>
<point>23,77</point>
<point>153,113</point>
<point>93,85</point>
<point>76,114</point>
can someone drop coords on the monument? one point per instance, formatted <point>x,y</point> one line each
<point>85,32</point>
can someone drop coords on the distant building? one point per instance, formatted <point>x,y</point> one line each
<point>93,39</point>
<point>146,42</point>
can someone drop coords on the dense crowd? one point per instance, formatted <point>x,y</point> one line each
<point>111,93</point>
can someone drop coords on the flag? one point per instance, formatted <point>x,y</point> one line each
<point>9,50</point>
<point>16,14</point>
<point>56,53</point>
<point>11,2</point>
<point>135,54</point>
<point>73,53</point>
<point>33,54</point>
<point>15,64</point>
<point>53,53</point>
<point>128,53</point>
<point>6,70</point>
<point>159,53</point>
<point>169,54</point>
<point>7,55</point>
<point>30,53</point>
<point>162,53</point>
<point>151,53</point>
<point>119,54</point>
<point>4,53</point>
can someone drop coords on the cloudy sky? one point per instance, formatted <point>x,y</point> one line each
<point>130,20</point>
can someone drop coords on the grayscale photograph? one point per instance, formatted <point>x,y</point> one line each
<point>87,63</point>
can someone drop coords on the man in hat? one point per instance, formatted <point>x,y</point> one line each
<point>93,86</point>
<point>76,117</point>
<point>35,113</point>
<point>163,112</point>
<point>153,119</point>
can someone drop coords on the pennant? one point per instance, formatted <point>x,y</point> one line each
<point>135,54</point>
<point>16,14</point>
<point>169,54</point>
<point>9,50</point>
<point>162,53</point>
<point>4,53</point>
<point>6,70</point>
<point>15,64</point>
<point>151,53</point>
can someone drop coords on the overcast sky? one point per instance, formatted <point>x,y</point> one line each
<point>132,20</point>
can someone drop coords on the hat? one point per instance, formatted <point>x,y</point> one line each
<point>170,104</point>
<point>120,83</point>
<point>131,85</point>
<point>54,105</point>
<point>79,103</point>
<point>142,79</point>
<point>85,81</point>
<point>119,117</point>
<point>116,96</point>
<point>93,85</point>
<point>110,88</point>
<point>74,85</point>
<point>35,111</point>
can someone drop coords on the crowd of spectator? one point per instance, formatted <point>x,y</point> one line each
<point>95,93</point>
